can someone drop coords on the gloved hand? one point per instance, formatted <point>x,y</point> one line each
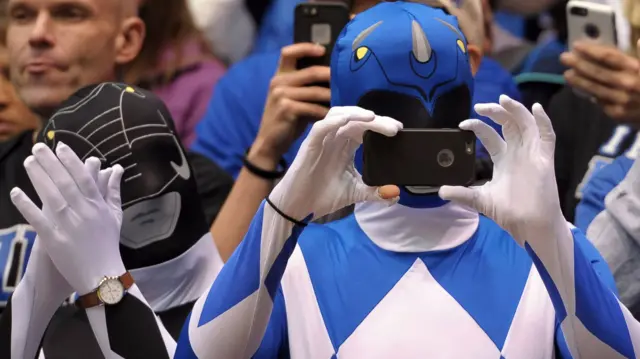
<point>42,288</point>
<point>522,196</point>
<point>78,227</point>
<point>322,178</point>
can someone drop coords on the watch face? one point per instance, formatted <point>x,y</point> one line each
<point>111,291</point>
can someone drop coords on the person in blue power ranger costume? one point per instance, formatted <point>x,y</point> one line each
<point>609,214</point>
<point>233,117</point>
<point>412,279</point>
<point>408,275</point>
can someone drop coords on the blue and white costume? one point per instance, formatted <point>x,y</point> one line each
<point>423,278</point>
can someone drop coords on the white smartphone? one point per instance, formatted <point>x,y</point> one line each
<point>592,22</point>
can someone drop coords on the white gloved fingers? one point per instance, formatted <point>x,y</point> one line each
<point>521,116</point>
<point>31,213</point>
<point>366,193</point>
<point>58,174</point>
<point>467,196</point>
<point>74,166</point>
<point>334,120</point>
<point>510,129</point>
<point>491,140</point>
<point>103,182</point>
<point>113,197</point>
<point>355,130</point>
<point>493,111</point>
<point>92,165</point>
<point>349,111</point>
<point>44,186</point>
<point>545,128</point>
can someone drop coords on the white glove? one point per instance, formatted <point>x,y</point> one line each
<point>322,179</point>
<point>79,228</point>
<point>42,289</point>
<point>522,197</point>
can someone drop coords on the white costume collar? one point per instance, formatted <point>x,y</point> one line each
<point>181,280</point>
<point>404,229</point>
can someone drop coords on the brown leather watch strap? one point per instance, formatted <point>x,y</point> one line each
<point>91,299</point>
<point>127,280</point>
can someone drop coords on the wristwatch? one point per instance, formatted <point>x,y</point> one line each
<point>110,291</point>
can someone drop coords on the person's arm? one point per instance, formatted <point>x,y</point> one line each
<point>82,237</point>
<point>290,104</point>
<point>242,203</point>
<point>232,319</point>
<point>30,308</point>
<point>614,229</point>
<point>593,321</point>
<point>522,199</point>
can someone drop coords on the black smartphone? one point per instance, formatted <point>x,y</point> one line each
<point>319,23</point>
<point>420,157</point>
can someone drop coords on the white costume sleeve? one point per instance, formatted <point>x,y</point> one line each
<point>232,319</point>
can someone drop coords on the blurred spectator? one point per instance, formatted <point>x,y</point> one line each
<point>601,122</point>
<point>608,214</point>
<point>276,29</point>
<point>491,80</point>
<point>538,68</point>
<point>524,7</point>
<point>15,117</point>
<point>175,63</point>
<point>228,26</point>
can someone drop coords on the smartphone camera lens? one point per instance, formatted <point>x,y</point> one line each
<point>592,31</point>
<point>314,11</point>
<point>579,11</point>
<point>445,158</point>
<point>469,148</point>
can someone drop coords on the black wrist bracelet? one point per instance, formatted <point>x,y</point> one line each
<point>284,215</point>
<point>270,175</point>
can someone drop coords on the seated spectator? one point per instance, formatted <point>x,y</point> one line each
<point>609,213</point>
<point>596,117</point>
<point>537,68</point>
<point>491,80</point>
<point>15,117</point>
<point>175,63</point>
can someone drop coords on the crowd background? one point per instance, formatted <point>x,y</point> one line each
<point>223,68</point>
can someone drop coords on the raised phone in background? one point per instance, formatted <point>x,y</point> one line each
<point>320,23</point>
<point>592,22</point>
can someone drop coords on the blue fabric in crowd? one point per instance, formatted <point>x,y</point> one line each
<point>276,30</point>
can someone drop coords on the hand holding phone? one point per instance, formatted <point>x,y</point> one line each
<point>420,157</point>
<point>292,102</point>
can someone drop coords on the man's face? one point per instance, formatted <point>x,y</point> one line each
<point>58,46</point>
<point>14,115</point>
